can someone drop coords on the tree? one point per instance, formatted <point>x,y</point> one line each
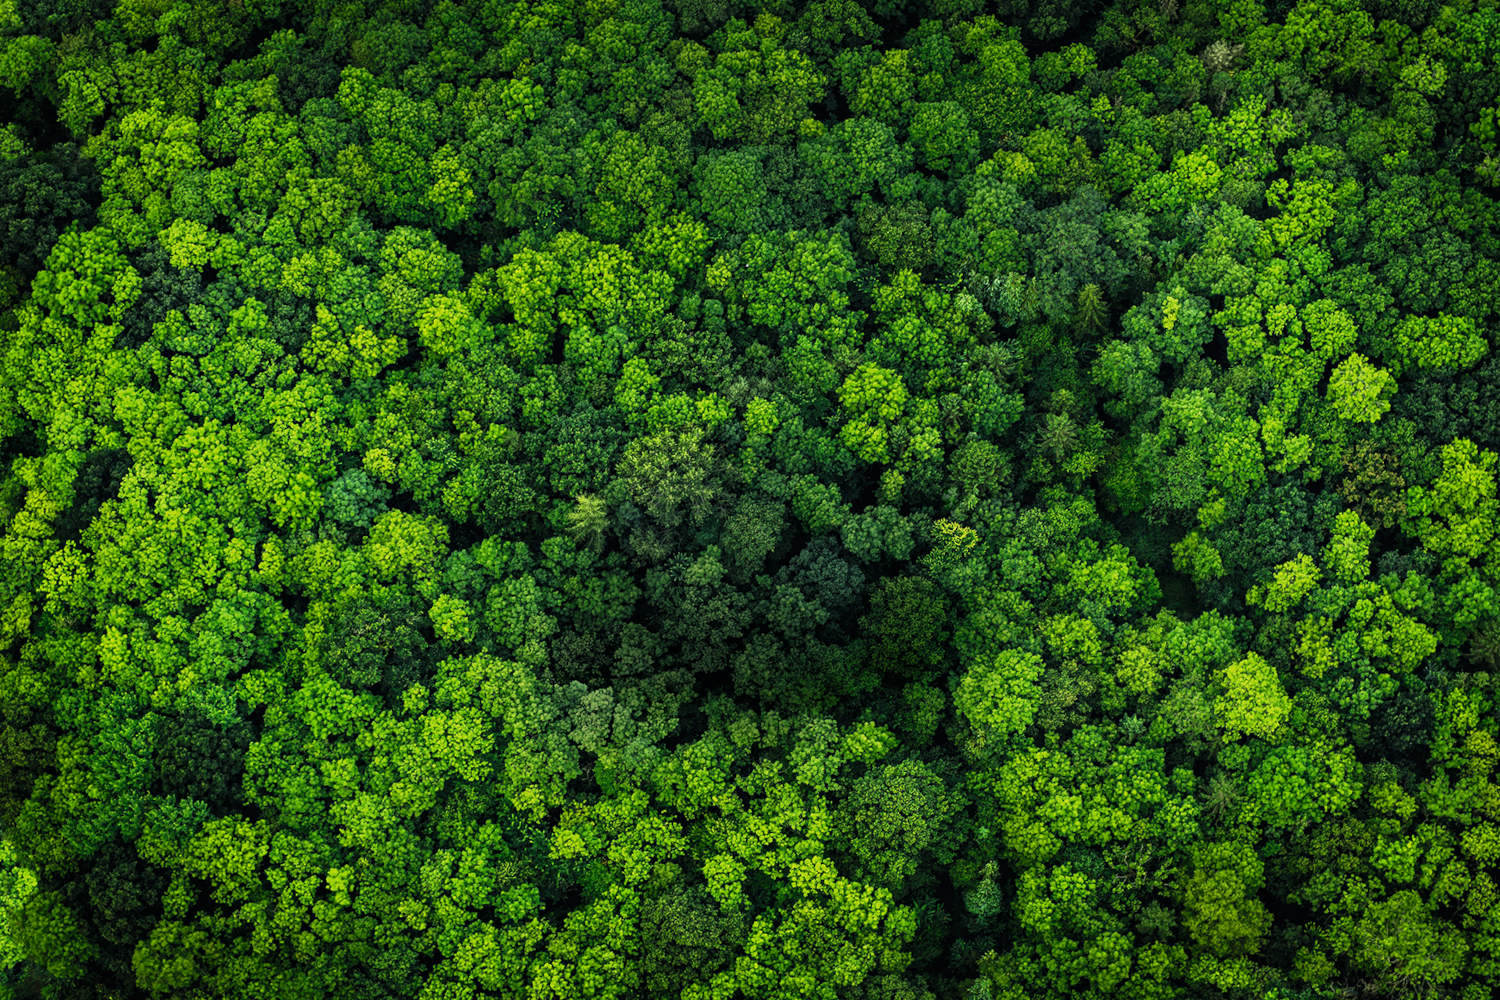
<point>998,696</point>
<point>755,88</point>
<point>1399,940</point>
<point>942,137</point>
<point>873,398</point>
<point>895,814</point>
<point>1223,916</point>
<point>732,187</point>
<point>671,474</point>
<point>907,624</point>
<point>1359,391</point>
<point>1455,517</point>
<point>1441,342</point>
<point>1332,38</point>
<point>588,520</point>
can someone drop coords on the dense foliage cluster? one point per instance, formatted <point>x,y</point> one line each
<point>728,500</point>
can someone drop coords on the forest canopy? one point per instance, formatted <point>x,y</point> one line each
<point>713,500</point>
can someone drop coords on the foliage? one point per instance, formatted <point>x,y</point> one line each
<point>840,499</point>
